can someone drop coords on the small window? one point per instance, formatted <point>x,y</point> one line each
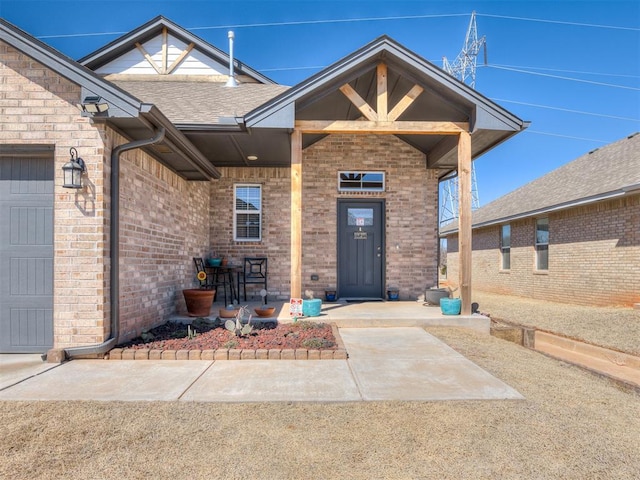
<point>361,181</point>
<point>360,217</point>
<point>247,217</point>
<point>542,244</point>
<point>505,247</point>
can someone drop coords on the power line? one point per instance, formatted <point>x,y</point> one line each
<point>562,78</point>
<point>567,110</point>
<point>280,24</point>
<point>565,136</point>
<point>339,20</point>
<point>608,74</point>
<point>559,22</point>
<point>353,20</point>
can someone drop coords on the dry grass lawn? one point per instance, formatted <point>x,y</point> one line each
<point>572,425</point>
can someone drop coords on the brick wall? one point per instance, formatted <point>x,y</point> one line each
<point>411,216</point>
<point>411,209</point>
<point>164,219</point>
<point>594,256</point>
<point>39,107</point>
<point>276,224</point>
<point>164,223</point>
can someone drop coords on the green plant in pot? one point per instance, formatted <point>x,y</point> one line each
<point>450,305</point>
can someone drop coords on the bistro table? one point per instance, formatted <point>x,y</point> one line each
<point>227,275</point>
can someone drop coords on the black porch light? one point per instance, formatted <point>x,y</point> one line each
<point>94,105</point>
<point>72,170</point>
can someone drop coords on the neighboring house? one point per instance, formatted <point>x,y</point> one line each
<point>335,180</point>
<point>572,235</point>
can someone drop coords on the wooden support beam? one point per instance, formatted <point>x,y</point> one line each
<point>296,214</point>
<point>148,57</point>
<point>381,128</point>
<point>180,58</point>
<point>381,107</point>
<point>359,102</point>
<point>404,103</point>
<point>165,35</point>
<point>464,226</point>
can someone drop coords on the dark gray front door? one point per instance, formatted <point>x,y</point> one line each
<point>26,252</point>
<point>360,248</point>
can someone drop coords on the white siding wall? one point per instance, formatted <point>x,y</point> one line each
<point>134,63</point>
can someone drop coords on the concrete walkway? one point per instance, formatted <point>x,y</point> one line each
<point>424,368</point>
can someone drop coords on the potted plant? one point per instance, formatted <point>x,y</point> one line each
<point>311,307</point>
<point>199,300</point>
<point>450,305</point>
<point>433,295</point>
<point>264,310</point>
<point>229,312</point>
<point>330,294</point>
<point>214,260</point>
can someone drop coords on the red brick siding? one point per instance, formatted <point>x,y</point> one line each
<point>164,223</point>
<point>411,209</point>
<point>164,219</point>
<point>276,223</point>
<point>594,256</point>
<point>39,107</point>
<point>411,203</point>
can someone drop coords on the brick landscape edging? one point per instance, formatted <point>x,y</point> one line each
<point>339,353</point>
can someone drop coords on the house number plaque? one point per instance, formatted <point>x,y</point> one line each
<point>359,235</point>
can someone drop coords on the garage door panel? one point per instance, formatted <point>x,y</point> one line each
<point>30,176</point>
<point>31,328</point>
<point>31,226</point>
<point>31,276</point>
<point>26,252</point>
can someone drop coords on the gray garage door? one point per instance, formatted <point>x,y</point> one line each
<point>26,250</point>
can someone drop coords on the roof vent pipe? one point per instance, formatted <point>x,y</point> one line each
<point>232,79</point>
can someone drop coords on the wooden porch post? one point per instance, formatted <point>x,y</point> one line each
<point>296,214</point>
<point>464,210</point>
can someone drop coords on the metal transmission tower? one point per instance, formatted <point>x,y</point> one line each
<point>463,68</point>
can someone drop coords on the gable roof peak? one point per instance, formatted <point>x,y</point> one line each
<point>151,29</point>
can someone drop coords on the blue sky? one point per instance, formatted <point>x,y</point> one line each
<point>572,68</point>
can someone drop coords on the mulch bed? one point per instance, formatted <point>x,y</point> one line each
<point>210,340</point>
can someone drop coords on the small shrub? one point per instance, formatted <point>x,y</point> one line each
<point>230,344</point>
<point>316,343</point>
<point>309,325</point>
<point>179,334</point>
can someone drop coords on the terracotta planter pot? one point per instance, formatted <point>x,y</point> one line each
<point>224,313</point>
<point>265,311</point>
<point>198,301</point>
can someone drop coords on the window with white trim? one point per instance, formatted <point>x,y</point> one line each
<point>505,247</point>
<point>542,244</point>
<point>247,214</point>
<point>361,181</point>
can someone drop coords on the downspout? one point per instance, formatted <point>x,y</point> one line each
<point>114,247</point>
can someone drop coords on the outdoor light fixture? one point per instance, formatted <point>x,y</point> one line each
<point>94,104</point>
<point>72,170</point>
<point>252,157</point>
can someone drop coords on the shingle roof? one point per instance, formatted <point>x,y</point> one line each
<point>609,171</point>
<point>200,102</point>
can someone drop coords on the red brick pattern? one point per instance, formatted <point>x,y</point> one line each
<point>594,256</point>
<point>411,213</point>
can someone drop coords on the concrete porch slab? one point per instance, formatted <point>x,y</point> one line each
<point>372,314</point>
